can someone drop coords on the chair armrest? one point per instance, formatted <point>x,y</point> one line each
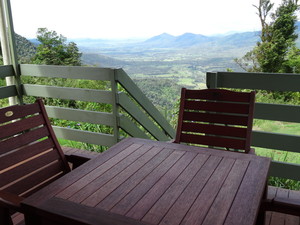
<point>10,200</point>
<point>282,205</point>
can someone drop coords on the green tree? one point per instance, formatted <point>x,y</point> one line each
<point>276,51</point>
<point>54,50</point>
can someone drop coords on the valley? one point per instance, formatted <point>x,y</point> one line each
<point>185,61</point>
<point>165,63</point>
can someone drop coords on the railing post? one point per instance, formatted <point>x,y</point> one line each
<point>8,44</point>
<point>115,105</point>
<point>211,80</point>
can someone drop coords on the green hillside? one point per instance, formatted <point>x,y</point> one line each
<point>25,49</point>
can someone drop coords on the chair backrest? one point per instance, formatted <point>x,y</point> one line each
<point>216,118</point>
<point>30,155</point>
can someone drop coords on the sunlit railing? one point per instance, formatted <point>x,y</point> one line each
<point>130,110</point>
<point>267,111</point>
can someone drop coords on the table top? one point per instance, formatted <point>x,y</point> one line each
<point>149,182</point>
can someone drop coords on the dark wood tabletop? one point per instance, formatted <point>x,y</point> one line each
<point>141,181</point>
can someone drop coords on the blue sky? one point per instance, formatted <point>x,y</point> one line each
<point>133,18</point>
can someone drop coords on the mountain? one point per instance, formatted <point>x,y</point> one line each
<point>162,40</point>
<point>169,41</point>
<point>25,49</point>
<point>191,40</point>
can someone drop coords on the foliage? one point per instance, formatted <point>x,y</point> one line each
<point>54,50</point>
<point>276,51</point>
<point>163,93</point>
<point>82,105</point>
<point>25,50</point>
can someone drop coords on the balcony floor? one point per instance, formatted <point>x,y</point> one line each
<point>274,218</point>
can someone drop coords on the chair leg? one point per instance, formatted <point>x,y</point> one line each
<point>5,217</point>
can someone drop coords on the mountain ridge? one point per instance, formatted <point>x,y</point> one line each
<point>190,40</point>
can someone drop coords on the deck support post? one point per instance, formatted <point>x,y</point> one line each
<point>9,52</point>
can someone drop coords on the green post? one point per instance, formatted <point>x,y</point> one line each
<point>211,80</point>
<point>9,39</point>
<point>114,89</point>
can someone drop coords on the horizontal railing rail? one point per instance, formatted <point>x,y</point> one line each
<point>268,111</point>
<point>7,91</point>
<point>130,110</point>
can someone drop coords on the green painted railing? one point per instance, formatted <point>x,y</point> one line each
<point>134,114</point>
<point>131,112</point>
<point>265,111</point>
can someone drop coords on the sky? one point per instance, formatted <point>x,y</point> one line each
<point>119,19</point>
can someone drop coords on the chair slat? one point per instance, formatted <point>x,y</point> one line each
<point>215,129</point>
<point>216,118</point>
<point>36,188</point>
<point>218,94</point>
<point>36,179</point>
<point>20,126</point>
<point>18,111</point>
<point>25,153</point>
<point>217,107</point>
<point>28,167</point>
<point>23,139</point>
<point>214,141</point>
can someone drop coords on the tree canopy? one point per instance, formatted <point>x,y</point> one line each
<point>276,51</point>
<point>54,50</point>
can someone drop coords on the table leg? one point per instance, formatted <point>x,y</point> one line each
<point>5,216</point>
<point>261,217</point>
<point>31,219</point>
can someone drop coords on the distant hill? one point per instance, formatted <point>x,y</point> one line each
<point>25,49</point>
<point>101,60</point>
<point>237,43</point>
<point>159,54</point>
<point>236,40</point>
<point>193,40</point>
<point>168,41</point>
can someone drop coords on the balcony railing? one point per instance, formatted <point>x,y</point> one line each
<point>267,111</point>
<point>131,111</point>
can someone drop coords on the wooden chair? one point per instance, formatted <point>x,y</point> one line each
<point>216,118</point>
<point>30,156</point>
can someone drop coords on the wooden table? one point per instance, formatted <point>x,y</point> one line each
<point>148,182</point>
